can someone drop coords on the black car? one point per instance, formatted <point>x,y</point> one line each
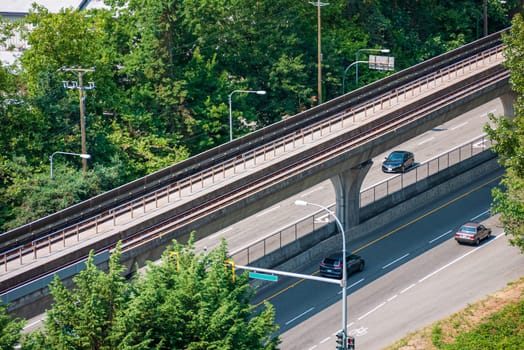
<point>331,266</point>
<point>398,161</point>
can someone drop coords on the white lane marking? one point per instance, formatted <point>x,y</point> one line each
<point>268,211</point>
<point>312,191</point>
<point>352,285</point>
<point>407,288</point>
<point>324,340</point>
<point>33,323</point>
<point>393,297</point>
<point>394,261</point>
<point>323,218</point>
<point>426,141</point>
<point>359,331</point>
<point>459,126</point>
<point>297,317</point>
<point>372,310</point>
<point>313,347</point>
<point>213,236</point>
<point>458,259</point>
<point>439,237</point>
<point>481,214</point>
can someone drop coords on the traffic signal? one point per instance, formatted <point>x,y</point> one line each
<point>340,340</point>
<point>351,342</point>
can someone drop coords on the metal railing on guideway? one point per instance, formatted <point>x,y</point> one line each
<point>368,196</point>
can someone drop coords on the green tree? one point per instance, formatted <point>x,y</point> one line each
<point>10,329</point>
<point>84,317</point>
<point>191,301</point>
<point>508,134</point>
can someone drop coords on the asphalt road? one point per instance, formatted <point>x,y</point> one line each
<point>426,146</point>
<point>415,274</point>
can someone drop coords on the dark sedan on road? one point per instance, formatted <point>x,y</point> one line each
<point>331,266</point>
<point>472,233</point>
<point>398,162</point>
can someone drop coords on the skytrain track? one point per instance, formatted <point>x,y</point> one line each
<point>191,193</point>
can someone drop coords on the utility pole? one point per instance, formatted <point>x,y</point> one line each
<point>318,4</point>
<point>79,71</point>
<point>485,16</point>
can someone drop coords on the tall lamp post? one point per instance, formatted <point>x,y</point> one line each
<point>343,283</point>
<point>258,92</point>
<point>318,4</point>
<point>366,50</point>
<point>84,157</point>
<point>80,86</point>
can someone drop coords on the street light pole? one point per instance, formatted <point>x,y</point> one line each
<point>344,75</point>
<point>258,92</point>
<point>318,4</point>
<point>343,283</point>
<point>366,50</point>
<point>80,86</point>
<point>84,157</point>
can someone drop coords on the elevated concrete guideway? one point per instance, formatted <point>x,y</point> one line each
<point>336,146</point>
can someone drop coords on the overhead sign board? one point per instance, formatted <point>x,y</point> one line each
<point>381,62</point>
<point>263,276</point>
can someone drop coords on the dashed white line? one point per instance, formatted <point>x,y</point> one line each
<point>442,235</point>
<point>481,214</point>
<point>372,310</point>
<point>426,141</point>
<point>324,340</point>
<point>312,191</point>
<point>407,288</point>
<point>392,297</point>
<point>459,126</point>
<point>394,261</point>
<point>220,233</point>
<point>297,317</point>
<point>313,347</point>
<point>352,285</point>
<point>323,218</point>
<point>268,211</point>
<point>33,323</point>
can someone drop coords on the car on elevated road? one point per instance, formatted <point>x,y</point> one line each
<point>398,162</point>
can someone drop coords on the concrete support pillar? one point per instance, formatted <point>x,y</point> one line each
<point>347,189</point>
<point>508,101</point>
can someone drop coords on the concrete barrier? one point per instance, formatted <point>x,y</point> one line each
<point>327,240</point>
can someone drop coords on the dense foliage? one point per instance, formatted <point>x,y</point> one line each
<point>164,71</point>
<point>9,329</point>
<point>188,301</point>
<point>508,133</point>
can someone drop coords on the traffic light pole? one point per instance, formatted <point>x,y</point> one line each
<point>266,274</point>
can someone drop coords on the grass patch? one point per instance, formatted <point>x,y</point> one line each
<point>495,322</point>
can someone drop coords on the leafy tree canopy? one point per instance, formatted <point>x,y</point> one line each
<point>508,134</point>
<point>188,301</point>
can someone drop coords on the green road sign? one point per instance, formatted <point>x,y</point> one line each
<point>263,276</point>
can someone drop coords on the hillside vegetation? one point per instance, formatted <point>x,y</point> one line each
<point>495,322</point>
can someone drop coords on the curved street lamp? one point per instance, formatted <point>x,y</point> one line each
<point>258,92</point>
<point>366,50</point>
<point>343,283</point>
<point>81,155</point>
